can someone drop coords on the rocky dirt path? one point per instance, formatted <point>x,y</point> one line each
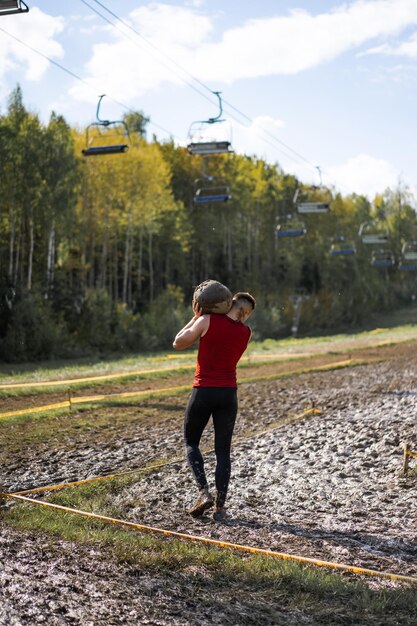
<point>328,485</point>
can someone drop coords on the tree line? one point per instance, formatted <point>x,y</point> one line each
<point>103,253</point>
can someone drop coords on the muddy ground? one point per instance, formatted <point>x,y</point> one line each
<point>327,486</point>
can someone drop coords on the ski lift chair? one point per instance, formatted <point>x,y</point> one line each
<point>105,136</point>
<point>382,258</point>
<point>341,247</point>
<point>305,201</point>
<point>202,136</point>
<point>290,228</point>
<point>407,266</point>
<point>10,7</point>
<point>409,251</point>
<point>304,205</point>
<point>209,147</point>
<point>209,190</point>
<point>372,233</point>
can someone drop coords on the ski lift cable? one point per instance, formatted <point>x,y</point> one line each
<point>87,84</point>
<point>145,40</point>
<point>77,77</point>
<point>164,64</point>
<point>272,137</point>
<point>61,67</point>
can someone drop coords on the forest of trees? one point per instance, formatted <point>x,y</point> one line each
<point>102,254</point>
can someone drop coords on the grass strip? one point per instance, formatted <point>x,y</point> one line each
<point>304,589</point>
<point>251,360</point>
<point>311,370</point>
<point>216,542</point>
<point>175,391</point>
<point>44,387</point>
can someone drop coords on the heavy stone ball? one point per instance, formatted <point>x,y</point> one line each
<point>213,297</point>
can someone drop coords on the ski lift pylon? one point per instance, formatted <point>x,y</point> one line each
<point>10,7</point>
<point>106,136</point>
<point>202,139</point>
<point>305,203</point>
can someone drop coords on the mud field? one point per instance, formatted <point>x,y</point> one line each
<point>326,486</point>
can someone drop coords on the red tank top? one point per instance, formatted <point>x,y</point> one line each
<point>219,352</point>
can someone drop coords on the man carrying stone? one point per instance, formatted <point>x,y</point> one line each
<point>223,340</point>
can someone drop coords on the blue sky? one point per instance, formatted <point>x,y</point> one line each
<point>336,82</point>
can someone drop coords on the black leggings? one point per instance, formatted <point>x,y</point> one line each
<point>221,403</point>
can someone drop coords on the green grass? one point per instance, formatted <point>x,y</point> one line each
<point>223,574</point>
<point>60,426</point>
<point>143,397</point>
<point>307,370</point>
<point>163,374</point>
<point>123,380</point>
<point>56,370</point>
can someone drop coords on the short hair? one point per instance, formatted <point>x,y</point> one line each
<point>244,295</point>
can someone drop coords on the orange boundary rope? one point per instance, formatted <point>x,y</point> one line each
<point>222,544</point>
<point>81,399</point>
<point>247,359</point>
<point>151,392</point>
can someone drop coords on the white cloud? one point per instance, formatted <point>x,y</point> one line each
<point>194,3</point>
<point>363,174</point>
<point>300,41</point>
<point>130,66</point>
<point>259,47</point>
<point>406,48</point>
<point>251,139</point>
<point>38,32</point>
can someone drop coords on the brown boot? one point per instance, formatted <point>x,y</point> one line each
<point>204,501</point>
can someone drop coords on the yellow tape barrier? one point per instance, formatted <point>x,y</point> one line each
<point>81,399</point>
<point>221,544</point>
<point>160,370</point>
<point>407,453</point>
<point>245,359</point>
<point>71,381</point>
<point>151,392</point>
<point>312,411</point>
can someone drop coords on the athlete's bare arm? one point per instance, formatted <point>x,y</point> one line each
<point>196,328</point>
